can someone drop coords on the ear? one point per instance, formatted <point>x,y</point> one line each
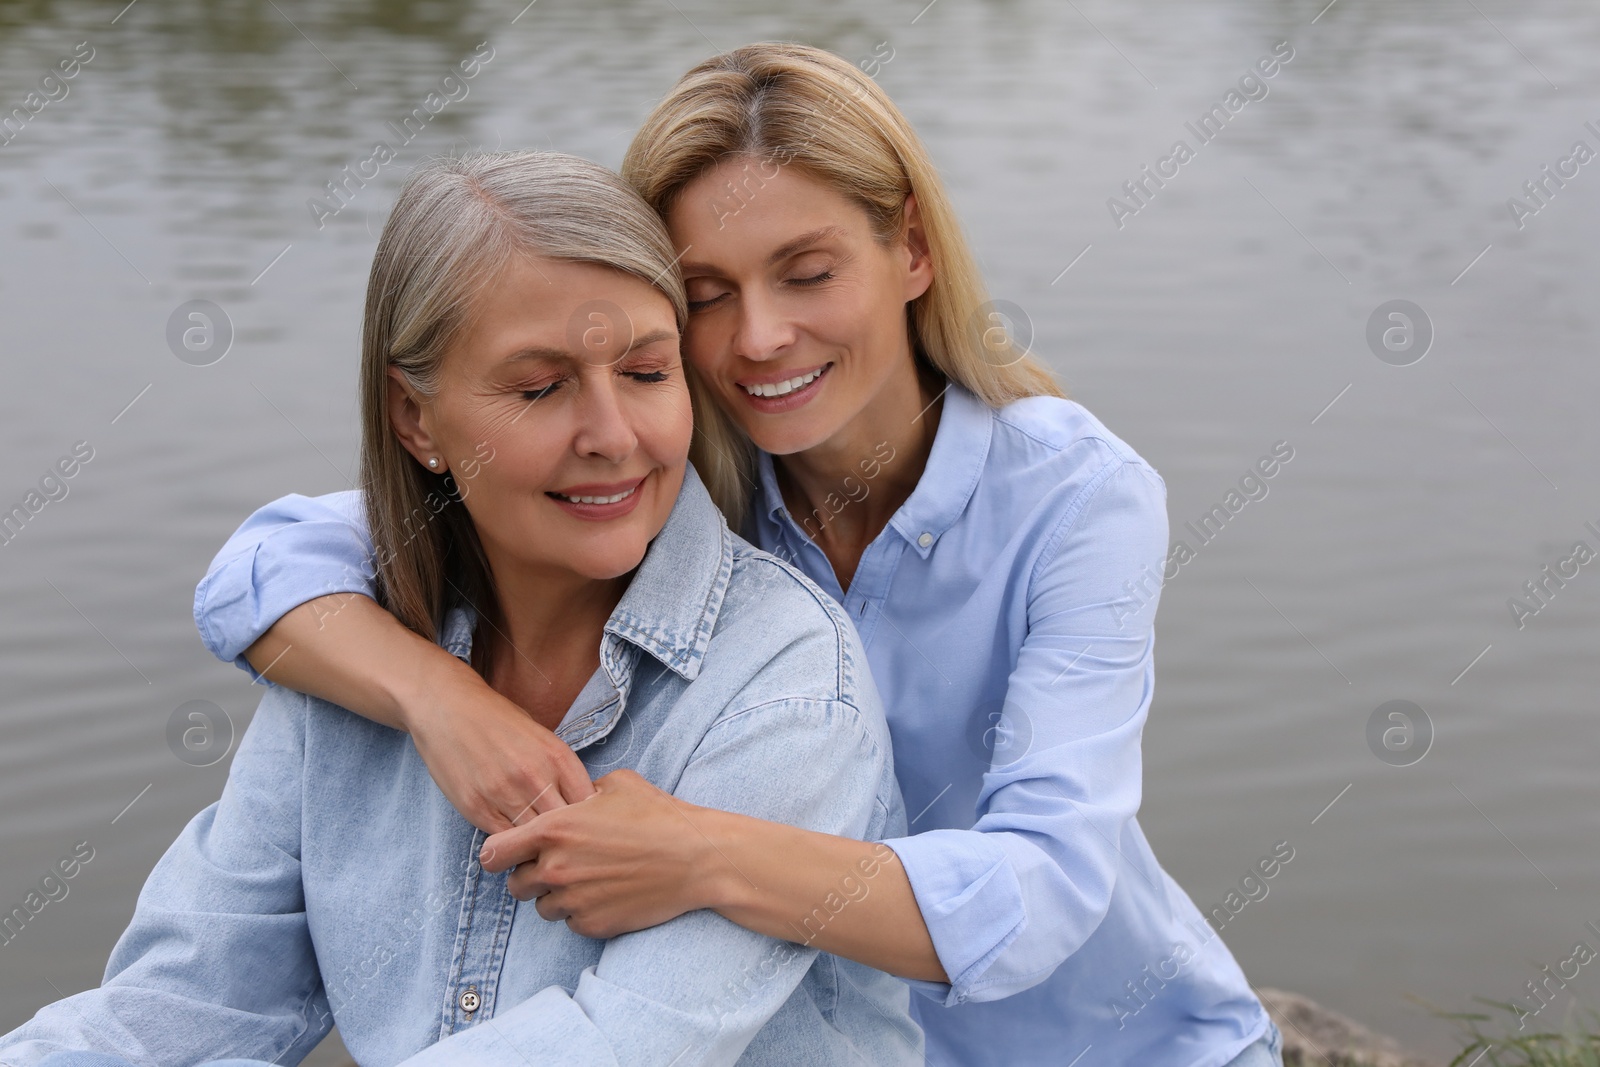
<point>409,415</point>
<point>919,263</point>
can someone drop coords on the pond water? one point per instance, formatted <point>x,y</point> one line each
<point>1219,314</point>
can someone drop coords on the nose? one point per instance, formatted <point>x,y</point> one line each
<point>604,427</point>
<point>762,331</point>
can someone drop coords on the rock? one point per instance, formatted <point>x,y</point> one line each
<point>1313,1036</point>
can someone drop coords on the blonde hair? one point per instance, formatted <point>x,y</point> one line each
<point>457,223</point>
<point>791,104</point>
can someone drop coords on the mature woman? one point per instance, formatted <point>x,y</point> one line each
<point>993,543</point>
<point>575,561</point>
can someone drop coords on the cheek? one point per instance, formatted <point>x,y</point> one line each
<point>527,448</point>
<point>663,419</point>
<point>856,321</point>
<point>500,496</point>
<point>506,500</point>
<point>864,322</point>
<point>859,308</point>
<point>705,345</point>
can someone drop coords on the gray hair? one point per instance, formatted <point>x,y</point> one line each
<point>456,224</point>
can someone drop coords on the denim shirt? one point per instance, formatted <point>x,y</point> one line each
<point>333,882</point>
<point>1008,613</point>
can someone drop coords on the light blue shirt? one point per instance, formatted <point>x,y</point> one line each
<point>1008,614</point>
<point>334,882</point>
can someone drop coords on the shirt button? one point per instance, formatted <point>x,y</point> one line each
<point>469,1001</point>
<point>925,540</point>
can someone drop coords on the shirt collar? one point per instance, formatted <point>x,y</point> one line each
<point>671,605</point>
<point>956,461</point>
<point>771,496</point>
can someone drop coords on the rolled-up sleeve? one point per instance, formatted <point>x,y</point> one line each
<point>1011,898</point>
<point>294,549</point>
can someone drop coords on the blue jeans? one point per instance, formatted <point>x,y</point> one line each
<point>1268,1052</point>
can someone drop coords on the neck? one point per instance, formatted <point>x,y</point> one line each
<point>552,624</point>
<point>846,489</point>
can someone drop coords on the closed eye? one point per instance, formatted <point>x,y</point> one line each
<point>640,376</point>
<point>815,279</point>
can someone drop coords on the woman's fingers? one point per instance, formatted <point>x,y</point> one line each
<point>546,774</point>
<point>492,761</point>
<point>507,849</point>
<point>535,798</point>
<point>525,884</point>
<point>572,775</point>
<point>622,860</point>
<point>522,787</point>
<point>490,820</point>
<point>548,906</point>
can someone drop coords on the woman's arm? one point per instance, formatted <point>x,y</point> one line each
<point>997,906</point>
<point>289,595</point>
<point>1010,899</point>
<point>799,874</point>
<point>489,758</point>
<point>348,651</point>
<point>218,957</point>
<point>696,989</point>
<point>634,856</point>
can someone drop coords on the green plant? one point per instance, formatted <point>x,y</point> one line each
<point>1513,1046</point>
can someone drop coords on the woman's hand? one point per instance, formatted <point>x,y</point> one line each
<point>632,856</point>
<point>629,857</point>
<point>489,758</point>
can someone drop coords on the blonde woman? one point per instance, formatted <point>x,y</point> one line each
<point>864,416</point>
<point>537,518</point>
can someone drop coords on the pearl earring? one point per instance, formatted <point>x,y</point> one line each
<point>433,462</point>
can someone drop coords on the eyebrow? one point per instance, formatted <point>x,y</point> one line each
<point>782,252</point>
<point>535,352</point>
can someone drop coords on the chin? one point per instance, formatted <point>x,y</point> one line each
<point>604,565</point>
<point>786,434</point>
<point>780,437</point>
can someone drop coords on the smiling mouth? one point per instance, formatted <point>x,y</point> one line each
<point>784,388</point>
<point>612,499</point>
